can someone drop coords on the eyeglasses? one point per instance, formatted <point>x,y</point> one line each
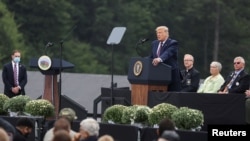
<point>188,60</point>
<point>237,63</point>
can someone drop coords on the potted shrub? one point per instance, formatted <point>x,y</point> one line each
<point>128,115</point>
<point>40,107</point>
<point>141,114</point>
<point>136,114</point>
<point>16,104</point>
<point>113,114</point>
<point>3,99</point>
<point>161,111</point>
<point>188,118</point>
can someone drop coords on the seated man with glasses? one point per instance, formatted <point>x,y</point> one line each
<point>190,77</point>
<point>238,80</point>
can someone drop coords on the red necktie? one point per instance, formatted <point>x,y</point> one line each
<point>159,50</point>
<point>15,75</point>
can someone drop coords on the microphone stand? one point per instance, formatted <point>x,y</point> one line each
<point>112,77</point>
<point>137,47</point>
<point>140,42</point>
<point>60,75</point>
<point>60,67</point>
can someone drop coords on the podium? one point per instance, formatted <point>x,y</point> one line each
<point>50,83</point>
<point>145,77</point>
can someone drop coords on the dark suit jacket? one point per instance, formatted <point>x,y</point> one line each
<point>240,84</point>
<point>190,80</point>
<point>8,79</point>
<point>169,56</point>
<point>19,136</point>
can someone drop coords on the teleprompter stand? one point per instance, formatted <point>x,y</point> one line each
<point>114,39</point>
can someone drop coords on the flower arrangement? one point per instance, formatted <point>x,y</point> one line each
<point>16,104</point>
<point>40,107</point>
<point>136,114</point>
<point>187,118</point>
<point>141,114</point>
<point>161,111</point>
<point>113,114</point>
<point>3,99</point>
<point>128,115</point>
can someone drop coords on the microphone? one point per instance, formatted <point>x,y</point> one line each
<point>49,44</point>
<point>143,40</point>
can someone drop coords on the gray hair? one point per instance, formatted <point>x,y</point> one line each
<point>162,27</point>
<point>189,56</point>
<point>242,60</point>
<point>217,64</point>
<point>91,126</point>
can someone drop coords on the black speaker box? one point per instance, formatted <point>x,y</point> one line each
<point>120,96</point>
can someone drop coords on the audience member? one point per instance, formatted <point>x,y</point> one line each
<point>106,138</point>
<point>190,77</point>
<point>61,135</point>
<point>165,124</point>
<point>169,135</point>
<point>247,106</point>
<point>67,113</point>
<point>8,127</point>
<point>165,50</point>
<point>238,80</point>
<point>212,83</point>
<point>62,124</point>
<point>3,135</point>
<point>89,130</point>
<point>24,127</point>
<point>14,83</point>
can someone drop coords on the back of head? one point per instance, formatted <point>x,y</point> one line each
<point>3,135</point>
<point>8,127</point>
<point>91,126</point>
<point>165,124</point>
<point>61,135</point>
<point>25,122</point>
<point>62,124</point>
<point>170,135</point>
<point>69,113</point>
<point>106,138</point>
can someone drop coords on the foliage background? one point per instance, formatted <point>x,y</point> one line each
<point>209,29</point>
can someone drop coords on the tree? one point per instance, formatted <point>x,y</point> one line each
<point>11,38</point>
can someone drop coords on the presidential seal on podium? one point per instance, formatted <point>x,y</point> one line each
<point>44,62</point>
<point>137,68</point>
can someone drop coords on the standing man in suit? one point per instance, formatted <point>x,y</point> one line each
<point>14,76</point>
<point>238,80</point>
<point>190,77</point>
<point>165,50</point>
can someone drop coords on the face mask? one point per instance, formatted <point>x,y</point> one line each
<point>16,59</point>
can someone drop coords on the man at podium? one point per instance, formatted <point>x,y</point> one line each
<point>165,50</point>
